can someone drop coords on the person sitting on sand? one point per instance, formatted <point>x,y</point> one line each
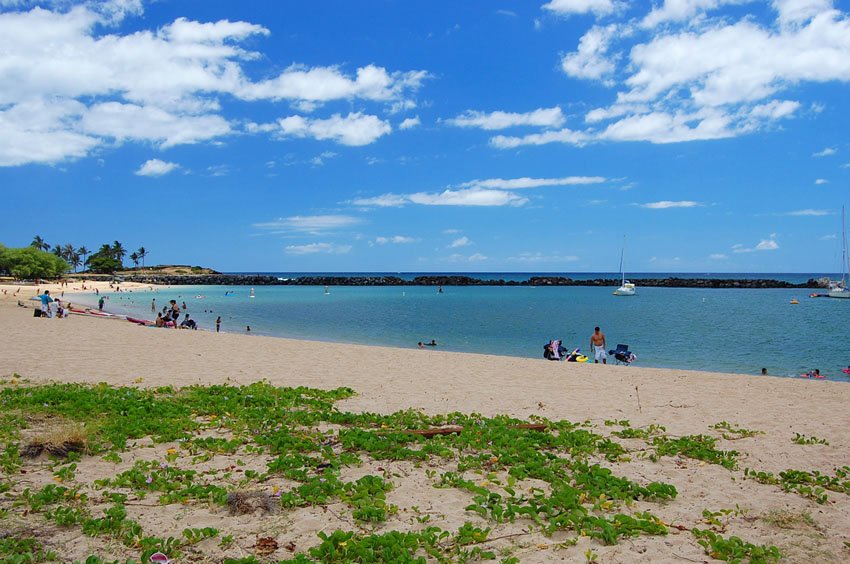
<point>420,345</point>
<point>764,371</point>
<point>160,322</point>
<point>188,323</point>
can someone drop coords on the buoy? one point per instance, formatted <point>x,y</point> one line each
<point>794,301</point>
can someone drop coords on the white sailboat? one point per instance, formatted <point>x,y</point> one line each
<point>840,289</point>
<point>626,288</point>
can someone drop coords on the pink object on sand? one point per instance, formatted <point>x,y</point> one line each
<point>159,558</point>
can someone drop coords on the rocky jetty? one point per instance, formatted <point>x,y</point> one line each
<point>451,280</point>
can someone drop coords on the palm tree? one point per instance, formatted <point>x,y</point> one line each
<point>135,258</point>
<point>83,252</point>
<point>39,243</point>
<point>75,260</point>
<point>118,251</point>
<point>57,250</point>
<point>142,253</point>
<point>67,252</point>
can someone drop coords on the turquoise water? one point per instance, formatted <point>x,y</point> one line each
<point>731,330</point>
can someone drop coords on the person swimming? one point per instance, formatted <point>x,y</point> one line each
<point>433,343</point>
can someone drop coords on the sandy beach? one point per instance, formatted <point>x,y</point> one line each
<point>81,349</point>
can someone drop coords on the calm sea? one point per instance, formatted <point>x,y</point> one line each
<point>732,330</point>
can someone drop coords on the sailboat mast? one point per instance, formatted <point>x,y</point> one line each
<point>845,260</point>
<point>622,270</point>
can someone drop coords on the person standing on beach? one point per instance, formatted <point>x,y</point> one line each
<point>100,304</point>
<point>175,312</point>
<point>597,345</point>
<point>153,305</point>
<point>217,324</point>
<point>46,300</point>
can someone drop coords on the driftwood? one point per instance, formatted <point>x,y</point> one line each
<point>456,430</point>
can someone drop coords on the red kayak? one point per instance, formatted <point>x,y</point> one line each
<point>139,321</point>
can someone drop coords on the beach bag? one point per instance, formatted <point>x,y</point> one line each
<point>36,312</point>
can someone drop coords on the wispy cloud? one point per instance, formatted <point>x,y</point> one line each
<point>460,242</point>
<point>541,117</point>
<point>718,256</point>
<point>395,239</point>
<point>830,237</point>
<point>667,204</point>
<point>312,224</point>
<point>156,167</point>
<point>476,257</point>
<point>463,197</point>
<point>509,13</point>
<point>526,182</point>
<point>821,181</point>
<point>810,212</point>
<point>829,151</point>
<point>314,248</point>
<point>539,257</point>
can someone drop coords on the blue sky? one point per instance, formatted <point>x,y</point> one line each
<point>431,136</point>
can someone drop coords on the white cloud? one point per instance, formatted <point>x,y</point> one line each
<point>146,123</point>
<point>792,12</point>
<point>383,201</point>
<point>460,242</point>
<point>449,197</point>
<point>769,244</point>
<point>156,167</point>
<point>829,237</point>
<point>470,197</point>
<point>541,117</point>
<point>591,60</point>
<point>718,256</point>
<point>409,123</point>
<point>703,78</point>
<point>539,257</point>
<point>355,129</point>
<point>323,84</point>
<point>396,239</point>
<point>667,204</point>
<point>509,13</point>
<point>476,257</point>
<point>827,152</point>
<point>845,165</point>
<point>810,212</point>
<point>319,160</point>
<point>561,136</point>
<point>313,248</point>
<point>313,224</point>
<point>682,10</point>
<point>568,7</point>
<point>525,182</point>
<point>161,86</point>
<point>451,231</point>
<point>821,181</point>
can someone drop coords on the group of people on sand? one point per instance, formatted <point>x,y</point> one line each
<point>51,307</point>
<point>170,316</point>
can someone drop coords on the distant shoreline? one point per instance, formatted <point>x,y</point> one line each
<point>447,280</point>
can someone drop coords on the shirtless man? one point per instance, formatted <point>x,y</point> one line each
<point>597,345</point>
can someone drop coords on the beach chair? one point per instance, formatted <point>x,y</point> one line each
<point>622,355</point>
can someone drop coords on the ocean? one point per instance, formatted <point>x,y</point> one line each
<point>727,330</point>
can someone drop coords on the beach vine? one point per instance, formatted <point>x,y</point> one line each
<point>549,477</point>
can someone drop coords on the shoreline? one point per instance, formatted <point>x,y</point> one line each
<point>139,311</point>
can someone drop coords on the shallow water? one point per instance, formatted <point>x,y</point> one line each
<point>731,330</point>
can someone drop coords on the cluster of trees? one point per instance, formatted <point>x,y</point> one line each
<point>41,260</point>
<point>30,262</point>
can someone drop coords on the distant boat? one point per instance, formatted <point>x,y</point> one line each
<point>839,289</point>
<point>626,288</point>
